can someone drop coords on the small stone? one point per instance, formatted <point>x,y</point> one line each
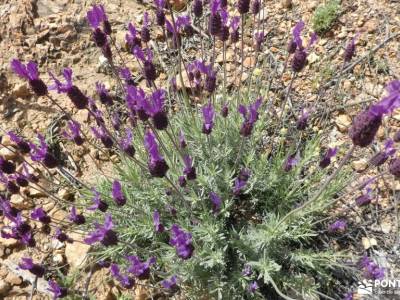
<point>35,193</point>
<point>58,259</point>
<point>249,61</point>
<point>8,242</point>
<point>343,122</point>
<point>7,153</point>
<point>6,140</point>
<point>21,90</point>
<point>20,202</point>
<point>4,288</point>
<point>360,165</point>
<point>368,242</point>
<point>347,85</point>
<point>66,194</point>
<point>75,252</point>
<point>13,279</point>
<point>287,4</point>
<point>56,244</point>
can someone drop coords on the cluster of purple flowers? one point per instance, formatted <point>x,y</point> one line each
<point>182,241</point>
<point>371,269</point>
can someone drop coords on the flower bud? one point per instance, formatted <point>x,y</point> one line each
<point>160,120</point>
<point>215,23</point>
<point>198,8</point>
<point>224,33</point>
<point>364,128</point>
<point>299,60</point>
<point>77,97</point>
<point>38,87</point>
<point>99,37</point>
<point>243,6</point>
<point>394,167</point>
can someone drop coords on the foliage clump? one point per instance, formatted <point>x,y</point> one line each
<point>325,16</point>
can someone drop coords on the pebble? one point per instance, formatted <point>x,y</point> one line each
<point>21,90</point>
<point>13,279</point>
<point>359,165</point>
<point>343,122</point>
<point>7,153</point>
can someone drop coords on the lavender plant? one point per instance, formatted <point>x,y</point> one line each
<point>223,199</point>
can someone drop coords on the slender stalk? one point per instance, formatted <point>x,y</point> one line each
<point>242,52</point>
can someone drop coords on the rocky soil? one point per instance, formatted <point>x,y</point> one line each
<point>56,35</point>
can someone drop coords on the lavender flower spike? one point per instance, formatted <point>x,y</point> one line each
<point>171,283</point>
<point>381,157</point>
<point>241,181</point>
<point>58,291</point>
<point>158,114</point>
<point>98,203</point>
<point>389,103</point>
<point>126,143</point>
<point>126,281</point>
<point>103,233</point>
<point>182,241</point>
<point>156,221</point>
<point>73,92</point>
<point>23,146</point>
<point>117,193</point>
<point>208,116</point>
<point>74,133</point>
<point>40,215</point>
<point>215,202</point>
<point>138,268</point>
<point>326,160</point>
<point>41,153</point>
<point>78,219</point>
<point>30,73</point>
<point>189,170</point>
<point>157,165</point>
<point>250,116</point>
<point>338,226</point>
<point>35,269</point>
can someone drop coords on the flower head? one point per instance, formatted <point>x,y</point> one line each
<point>103,233</point>
<point>158,226</point>
<point>338,226</point>
<point>290,162</point>
<point>117,193</point>
<point>41,153</point>
<point>58,291</point>
<point>102,134</point>
<point>170,283</point>
<point>189,170</point>
<point>78,219</point>
<point>98,203</point>
<point>250,116</point>
<point>182,241</point>
<point>138,268</point>
<point>381,157</point>
<point>208,117</point>
<point>215,202</point>
<point>35,269</point>
<point>126,143</point>
<point>326,160</point>
<point>389,103</point>
<point>74,133</point>
<point>157,165</point>
<point>23,146</point>
<point>241,181</point>
<point>125,280</point>
<point>371,269</point>
<point>30,72</point>
<point>40,215</point>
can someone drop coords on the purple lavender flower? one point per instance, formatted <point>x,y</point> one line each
<point>7,166</point>
<point>149,70</point>
<point>183,24</point>
<point>160,15</point>
<point>371,269</point>
<point>224,31</point>
<point>216,202</point>
<point>117,193</point>
<point>28,175</point>
<point>170,283</point>
<point>145,32</point>
<point>19,229</point>
<point>300,54</point>
<point>396,136</point>
<point>104,95</point>
<point>247,270</point>
<point>394,167</point>
<point>78,219</point>
<point>30,72</point>
<point>350,49</point>
<point>259,36</point>
<point>126,143</point>
<point>234,24</point>
<point>253,286</point>
<point>157,112</point>
<point>35,269</point>
<point>338,226</point>
<point>182,181</point>
<point>126,75</point>
<point>364,128</point>
<point>140,269</point>
<point>98,203</point>
<point>208,116</point>
<point>250,115</point>
<point>125,281</point>
<point>41,153</point>
<point>348,296</point>
<point>131,38</point>
<point>23,146</point>
<point>61,236</point>
<point>225,110</point>
<point>197,8</point>
<point>243,6</point>
<point>102,134</point>
<point>290,162</point>
<point>381,157</point>
<point>182,241</point>
<point>241,181</point>
<point>255,7</point>
<point>158,227</point>
<point>182,141</point>
<point>326,160</point>
<point>389,103</point>
<point>74,133</point>
<point>215,22</point>
<point>40,215</point>
<point>73,92</point>
<point>103,233</point>
<point>96,16</point>
<point>365,198</point>
<point>189,170</point>
<point>58,291</point>
<point>211,80</point>
<point>157,165</point>
<point>302,121</point>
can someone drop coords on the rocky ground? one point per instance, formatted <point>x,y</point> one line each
<point>56,35</point>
